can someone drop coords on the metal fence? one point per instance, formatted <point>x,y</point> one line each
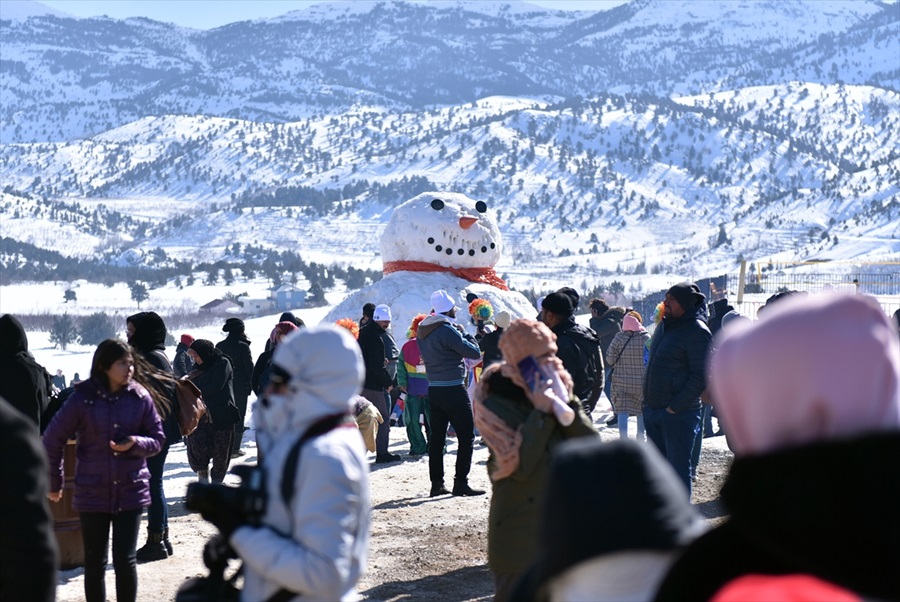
<point>759,286</point>
<point>772,282</point>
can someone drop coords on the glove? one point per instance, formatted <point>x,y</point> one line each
<point>216,551</point>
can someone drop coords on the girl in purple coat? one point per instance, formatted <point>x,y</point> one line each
<point>115,423</point>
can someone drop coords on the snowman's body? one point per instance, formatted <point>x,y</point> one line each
<point>437,240</point>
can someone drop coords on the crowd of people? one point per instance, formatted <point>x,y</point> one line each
<point>808,496</point>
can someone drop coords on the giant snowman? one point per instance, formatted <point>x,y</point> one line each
<point>437,240</point>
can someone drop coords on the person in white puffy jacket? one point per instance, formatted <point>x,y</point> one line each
<point>316,547</point>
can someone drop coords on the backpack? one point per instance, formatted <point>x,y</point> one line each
<point>191,408</point>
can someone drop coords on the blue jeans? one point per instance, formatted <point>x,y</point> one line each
<point>623,426</point>
<point>158,512</point>
<point>674,435</point>
<point>705,412</point>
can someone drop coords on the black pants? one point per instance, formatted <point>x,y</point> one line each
<point>241,402</point>
<point>95,534</point>
<point>450,405</point>
<point>380,400</point>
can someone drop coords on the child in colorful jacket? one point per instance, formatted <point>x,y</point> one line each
<point>413,381</point>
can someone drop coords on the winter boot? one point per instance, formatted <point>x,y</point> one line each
<point>167,543</point>
<point>154,549</point>
<point>462,488</point>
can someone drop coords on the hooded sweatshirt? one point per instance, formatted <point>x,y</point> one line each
<point>25,383</point>
<point>443,348</point>
<point>150,339</point>
<point>317,545</point>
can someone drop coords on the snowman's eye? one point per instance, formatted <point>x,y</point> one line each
<point>437,204</point>
<point>480,206</point>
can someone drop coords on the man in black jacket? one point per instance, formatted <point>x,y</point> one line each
<point>378,381</point>
<point>237,347</point>
<point>579,347</point>
<point>676,376</point>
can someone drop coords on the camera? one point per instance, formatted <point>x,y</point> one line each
<point>248,498</point>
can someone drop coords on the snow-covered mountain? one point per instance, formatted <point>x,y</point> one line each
<point>21,10</point>
<point>660,137</point>
<point>66,78</point>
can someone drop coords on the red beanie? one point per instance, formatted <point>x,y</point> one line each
<point>187,339</point>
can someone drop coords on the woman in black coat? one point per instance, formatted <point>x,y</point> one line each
<point>28,554</point>
<point>237,347</point>
<point>146,333</point>
<point>25,383</point>
<point>212,440</point>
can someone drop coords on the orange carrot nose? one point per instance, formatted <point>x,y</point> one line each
<point>466,222</point>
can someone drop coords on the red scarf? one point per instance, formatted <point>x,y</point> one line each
<point>484,275</point>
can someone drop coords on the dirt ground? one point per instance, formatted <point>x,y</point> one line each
<point>421,549</point>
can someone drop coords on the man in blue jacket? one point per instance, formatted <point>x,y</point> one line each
<point>443,344</point>
<point>676,376</point>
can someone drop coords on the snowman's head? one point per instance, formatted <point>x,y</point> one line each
<point>444,228</point>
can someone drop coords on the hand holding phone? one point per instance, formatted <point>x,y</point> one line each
<point>544,381</point>
<point>122,444</point>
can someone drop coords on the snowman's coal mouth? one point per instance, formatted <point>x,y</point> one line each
<point>462,247</point>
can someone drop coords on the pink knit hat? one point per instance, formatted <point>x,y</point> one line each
<point>281,328</point>
<point>812,368</point>
<point>631,324</point>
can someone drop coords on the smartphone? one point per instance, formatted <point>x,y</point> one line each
<point>123,440</point>
<point>530,371</point>
<point>535,376</point>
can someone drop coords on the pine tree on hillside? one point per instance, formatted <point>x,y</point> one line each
<point>63,331</point>
<point>139,292</point>
<point>96,328</point>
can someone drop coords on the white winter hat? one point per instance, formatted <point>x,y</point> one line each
<point>382,313</point>
<point>442,302</point>
<point>502,319</point>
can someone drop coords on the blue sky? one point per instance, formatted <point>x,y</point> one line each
<point>206,14</point>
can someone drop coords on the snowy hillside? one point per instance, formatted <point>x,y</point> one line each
<point>657,138</point>
<point>606,186</point>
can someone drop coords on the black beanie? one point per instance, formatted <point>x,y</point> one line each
<point>559,303</point>
<point>572,294</point>
<point>290,317</point>
<point>687,294</point>
<point>234,325</point>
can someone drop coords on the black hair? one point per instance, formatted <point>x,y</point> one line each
<point>156,382</point>
<point>108,353</point>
